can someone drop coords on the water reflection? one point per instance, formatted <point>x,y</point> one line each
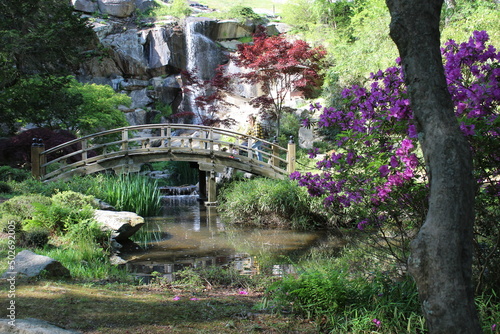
<point>192,235</point>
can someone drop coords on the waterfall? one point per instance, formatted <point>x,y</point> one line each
<point>203,57</point>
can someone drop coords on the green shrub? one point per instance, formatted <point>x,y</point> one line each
<point>34,238</point>
<point>73,200</point>
<point>67,208</point>
<point>266,202</point>
<point>5,187</point>
<point>8,173</point>
<point>24,206</point>
<point>88,231</point>
<point>7,220</point>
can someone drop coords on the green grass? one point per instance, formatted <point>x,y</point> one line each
<point>268,5</point>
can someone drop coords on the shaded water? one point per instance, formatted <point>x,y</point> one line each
<point>192,235</point>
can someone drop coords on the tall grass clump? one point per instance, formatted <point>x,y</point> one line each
<point>84,251</point>
<point>341,301</point>
<point>265,203</point>
<point>132,192</point>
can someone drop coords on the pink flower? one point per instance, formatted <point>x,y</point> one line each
<point>194,298</point>
<point>243,292</point>
<point>377,322</point>
<point>176,298</point>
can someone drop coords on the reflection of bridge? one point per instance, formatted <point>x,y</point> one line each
<point>213,149</point>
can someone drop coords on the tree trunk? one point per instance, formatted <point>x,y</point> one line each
<point>441,254</point>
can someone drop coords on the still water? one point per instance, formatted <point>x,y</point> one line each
<point>189,234</point>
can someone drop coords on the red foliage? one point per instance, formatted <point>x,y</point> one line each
<point>212,102</point>
<point>16,151</point>
<point>280,67</point>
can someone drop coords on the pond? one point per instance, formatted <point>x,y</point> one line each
<point>189,234</point>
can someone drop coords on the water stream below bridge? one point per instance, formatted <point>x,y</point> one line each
<point>189,234</point>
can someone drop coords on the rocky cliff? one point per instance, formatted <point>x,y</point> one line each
<point>144,59</point>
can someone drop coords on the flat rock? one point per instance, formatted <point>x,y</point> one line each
<point>32,326</point>
<point>122,224</point>
<point>29,264</point>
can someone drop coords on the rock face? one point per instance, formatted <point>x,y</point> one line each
<point>31,326</point>
<point>118,8</point>
<point>122,224</point>
<point>29,264</point>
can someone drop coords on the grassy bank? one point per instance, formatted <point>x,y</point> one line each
<point>117,308</point>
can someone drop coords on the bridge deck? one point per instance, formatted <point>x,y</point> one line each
<point>126,149</point>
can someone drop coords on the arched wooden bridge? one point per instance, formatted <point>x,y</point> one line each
<point>127,149</point>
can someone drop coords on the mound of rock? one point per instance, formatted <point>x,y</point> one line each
<point>29,264</point>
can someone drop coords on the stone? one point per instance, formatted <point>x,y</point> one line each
<point>157,49</point>
<point>144,5</point>
<point>32,326</point>
<point>86,6</point>
<point>29,264</point>
<point>122,224</point>
<point>118,8</point>
<point>137,117</point>
<point>134,84</point>
<point>140,98</point>
<point>231,29</point>
<point>127,51</point>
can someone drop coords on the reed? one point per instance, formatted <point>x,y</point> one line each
<point>132,192</point>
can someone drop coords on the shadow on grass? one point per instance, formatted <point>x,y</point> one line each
<point>115,308</point>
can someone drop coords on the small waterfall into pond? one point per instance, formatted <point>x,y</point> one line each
<point>203,57</point>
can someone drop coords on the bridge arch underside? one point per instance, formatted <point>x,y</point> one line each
<point>208,164</point>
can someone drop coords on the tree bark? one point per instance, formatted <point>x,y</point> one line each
<point>441,254</point>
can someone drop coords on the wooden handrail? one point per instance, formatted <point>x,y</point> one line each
<point>181,139</point>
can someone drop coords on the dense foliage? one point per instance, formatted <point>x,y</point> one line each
<point>62,103</point>
<point>279,67</point>
<point>270,203</point>
<point>377,172</point>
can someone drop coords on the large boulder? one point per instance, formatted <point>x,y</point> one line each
<point>118,8</point>
<point>31,326</point>
<point>86,6</point>
<point>29,264</point>
<point>122,224</point>
<point>231,29</point>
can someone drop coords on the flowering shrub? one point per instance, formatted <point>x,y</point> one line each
<point>377,172</point>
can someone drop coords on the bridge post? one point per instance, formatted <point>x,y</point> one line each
<point>84,150</point>
<point>37,160</point>
<point>125,140</point>
<point>212,195</point>
<point>276,152</point>
<point>202,184</point>
<point>290,157</point>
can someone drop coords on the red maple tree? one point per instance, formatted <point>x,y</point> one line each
<point>279,67</point>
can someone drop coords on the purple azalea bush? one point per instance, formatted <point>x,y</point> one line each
<point>376,175</point>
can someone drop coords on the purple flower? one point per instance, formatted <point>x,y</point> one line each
<point>384,170</point>
<point>493,327</point>
<point>361,224</point>
<point>377,322</point>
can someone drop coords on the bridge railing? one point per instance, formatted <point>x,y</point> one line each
<point>160,138</point>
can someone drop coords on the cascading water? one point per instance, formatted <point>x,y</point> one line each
<point>203,57</point>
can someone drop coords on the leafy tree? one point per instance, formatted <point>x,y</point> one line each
<point>441,260</point>
<point>306,14</point>
<point>98,111</point>
<point>62,102</point>
<point>279,67</point>
<point>40,37</point>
